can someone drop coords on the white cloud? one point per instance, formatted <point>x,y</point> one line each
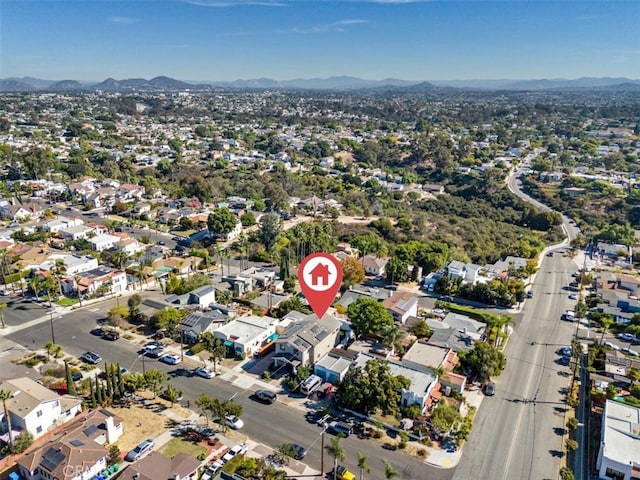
<point>123,20</point>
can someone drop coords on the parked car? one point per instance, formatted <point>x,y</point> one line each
<point>490,389</point>
<point>151,346</point>
<point>98,332</point>
<point>573,296</point>
<point>529,294</point>
<point>154,352</point>
<point>344,474</point>
<point>234,422</point>
<point>204,372</point>
<point>627,337</point>
<point>111,335</point>
<point>239,449</point>
<point>91,357</point>
<point>212,470</point>
<point>628,351</point>
<point>612,346</point>
<point>140,450</point>
<point>293,450</point>
<point>170,359</point>
<point>565,351</point>
<point>265,396</point>
<point>339,428</point>
<point>76,376</point>
<point>4,292</point>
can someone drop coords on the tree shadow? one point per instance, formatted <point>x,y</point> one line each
<point>560,431</point>
<point>556,453</point>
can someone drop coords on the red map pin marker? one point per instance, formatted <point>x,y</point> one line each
<point>320,277</point>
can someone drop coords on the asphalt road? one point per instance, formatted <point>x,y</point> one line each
<point>518,433</point>
<point>19,310</point>
<point>268,424</point>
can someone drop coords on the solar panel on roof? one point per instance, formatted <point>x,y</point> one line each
<point>76,442</point>
<point>51,459</point>
<point>90,430</point>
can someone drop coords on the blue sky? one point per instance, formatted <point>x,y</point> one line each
<point>285,39</point>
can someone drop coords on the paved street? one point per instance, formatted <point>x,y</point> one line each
<point>518,433</point>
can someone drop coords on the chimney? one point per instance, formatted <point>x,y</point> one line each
<point>464,330</point>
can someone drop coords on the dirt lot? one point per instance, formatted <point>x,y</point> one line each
<point>141,423</point>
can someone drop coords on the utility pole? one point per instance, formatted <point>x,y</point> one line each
<point>53,335</point>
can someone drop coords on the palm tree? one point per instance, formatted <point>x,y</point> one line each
<point>36,283</point>
<point>362,464</point>
<point>4,396</point>
<point>391,335</point>
<point>337,452</point>
<point>389,471</point>
<point>77,279</point>
<point>20,267</point>
<point>58,271</point>
<point>606,321</point>
<point>2,307</point>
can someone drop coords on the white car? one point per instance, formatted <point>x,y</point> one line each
<point>239,449</point>
<point>633,353</point>
<point>170,358</point>
<point>4,293</point>
<point>204,372</point>
<point>212,470</point>
<point>612,346</point>
<point>573,296</point>
<point>234,422</point>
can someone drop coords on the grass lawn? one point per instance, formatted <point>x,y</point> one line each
<point>178,445</point>
<point>67,302</point>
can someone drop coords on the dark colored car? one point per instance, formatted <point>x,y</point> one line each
<point>111,335</point>
<point>293,450</point>
<point>490,389</point>
<point>76,376</point>
<point>98,332</point>
<point>265,396</point>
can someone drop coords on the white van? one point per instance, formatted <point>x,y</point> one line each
<point>570,316</point>
<point>311,384</point>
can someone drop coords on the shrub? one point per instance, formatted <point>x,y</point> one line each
<point>197,348</point>
<point>571,445</point>
<point>421,453</point>
<point>566,474</point>
<point>266,375</point>
<point>377,434</point>
<point>572,423</point>
<point>404,439</point>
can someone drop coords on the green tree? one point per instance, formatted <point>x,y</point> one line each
<point>270,227</point>
<point>389,471</point>
<point>71,387</point>
<point>169,319</point>
<point>172,394</point>
<point>421,329</point>
<point>205,403</point>
<point>247,219</point>
<point>484,360</point>
<point>397,270</point>
<point>214,346</point>
<point>362,464</point>
<point>444,417</point>
<point>337,452</point>
<point>367,315</point>
<point>22,442</point>
<point>133,303</point>
<point>154,379</point>
<point>221,221</point>
<point>372,387</point>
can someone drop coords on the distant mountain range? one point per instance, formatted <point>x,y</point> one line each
<point>337,83</point>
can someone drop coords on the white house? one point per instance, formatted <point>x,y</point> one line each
<point>61,223</point>
<point>104,242</point>
<point>619,454</point>
<point>129,246</point>
<point>35,408</point>
<point>75,232</point>
<point>248,334</point>
<point>90,281</point>
<point>401,305</point>
<point>374,265</point>
<point>203,296</point>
